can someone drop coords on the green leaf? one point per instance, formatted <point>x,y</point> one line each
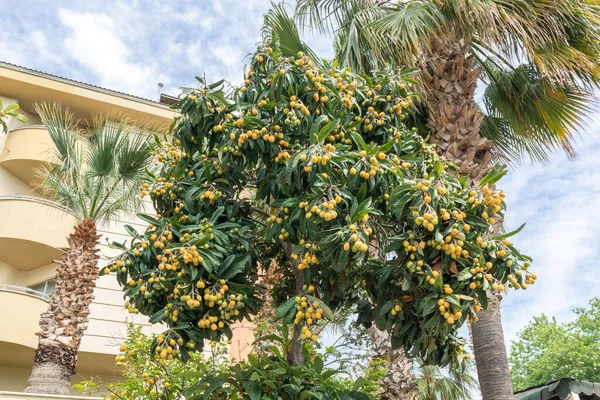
<point>318,364</point>
<point>329,373</point>
<point>494,175</point>
<point>509,234</point>
<point>216,84</point>
<point>325,130</point>
<point>285,308</point>
<point>483,299</point>
<point>358,139</point>
<point>359,383</point>
<point>327,313</point>
<point>253,390</point>
<point>158,316</point>
<point>131,231</point>
<point>150,220</point>
<point>464,275</point>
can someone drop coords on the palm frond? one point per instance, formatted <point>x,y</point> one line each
<point>64,131</point>
<point>507,24</point>
<point>574,59</point>
<point>97,172</point>
<point>351,42</point>
<point>281,27</point>
<point>531,115</point>
<point>101,155</point>
<point>405,32</point>
<point>326,16</point>
<point>436,383</point>
<point>133,156</point>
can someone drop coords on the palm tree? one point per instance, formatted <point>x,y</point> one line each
<point>96,176</point>
<point>399,381</point>
<point>539,61</point>
<point>436,384</point>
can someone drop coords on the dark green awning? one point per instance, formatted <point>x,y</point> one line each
<point>563,388</point>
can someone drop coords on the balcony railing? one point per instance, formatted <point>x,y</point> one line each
<point>32,126</point>
<point>31,396</point>
<point>39,200</point>
<point>27,148</point>
<point>33,231</point>
<point>24,290</point>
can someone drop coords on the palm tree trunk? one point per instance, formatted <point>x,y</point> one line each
<point>450,77</point>
<point>65,321</point>
<point>399,381</point>
<point>490,353</point>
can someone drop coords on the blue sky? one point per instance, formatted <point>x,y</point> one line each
<point>130,46</point>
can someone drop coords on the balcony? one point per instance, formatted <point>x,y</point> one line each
<point>27,149</point>
<point>33,231</point>
<point>21,313</point>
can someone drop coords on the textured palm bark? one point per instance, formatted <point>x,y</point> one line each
<point>65,321</point>
<point>449,75</point>
<point>450,78</point>
<point>490,353</point>
<point>399,381</point>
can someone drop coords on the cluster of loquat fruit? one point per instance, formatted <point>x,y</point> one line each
<point>371,214</point>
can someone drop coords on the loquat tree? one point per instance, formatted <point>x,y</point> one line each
<point>312,166</point>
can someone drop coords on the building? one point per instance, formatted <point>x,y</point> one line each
<point>33,229</point>
<point>562,389</point>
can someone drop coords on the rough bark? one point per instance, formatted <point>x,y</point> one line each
<point>64,322</point>
<point>52,370</point>
<point>490,353</point>
<point>450,76</point>
<point>296,356</point>
<point>399,382</point>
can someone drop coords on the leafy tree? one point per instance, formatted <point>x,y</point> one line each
<point>144,376</point>
<point>272,376</point>
<point>538,60</point>
<point>96,175</point>
<point>9,112</point>
<point>313,168</point>
<point>546,350</point>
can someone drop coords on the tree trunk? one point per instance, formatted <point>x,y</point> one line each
<point>490,353</point>
<point>399,381</point>
<point>450,76</point>
<point>296,354</point>
<point>65,321</point>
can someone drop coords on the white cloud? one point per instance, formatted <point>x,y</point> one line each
<point>560,204</point>
<point>93,41</point>
<point>208,23</point>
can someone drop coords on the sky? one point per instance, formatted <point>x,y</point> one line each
<point>131,46</point>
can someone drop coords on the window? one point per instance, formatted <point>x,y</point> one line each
<point>46,287</point>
